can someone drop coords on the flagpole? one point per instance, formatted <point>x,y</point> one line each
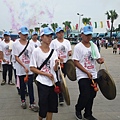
<point>79,20</point>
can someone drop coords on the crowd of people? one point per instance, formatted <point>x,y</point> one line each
<point>29,57</point>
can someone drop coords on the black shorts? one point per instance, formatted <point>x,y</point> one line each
<point>48,100</point>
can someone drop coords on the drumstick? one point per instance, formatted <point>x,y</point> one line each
<point>57,88</point>
<point>94,86</point>
<point>54,83</point>
<point>26,78</point>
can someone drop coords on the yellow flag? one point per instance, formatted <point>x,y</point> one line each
<point>64,29</point>
<point>73,28</point>
<point>101,24</point>
<point>85,23</point>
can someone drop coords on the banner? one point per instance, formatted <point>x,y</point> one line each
<point>85,23</point>
<point>90,23</point>
<point>101,24</point>
<point>73,27</point>
<point>76,26</point>
<point>95,24</point>
<point>108,23</point>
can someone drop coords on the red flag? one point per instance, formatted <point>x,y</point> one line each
<point>108,23</point>
<point>66,27</point>
<point>76,26</point>
<point>90,23</point>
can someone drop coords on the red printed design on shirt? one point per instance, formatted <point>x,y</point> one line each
<point>61,52</point>
<point>25,57</point>
<point>88,61</point>
<point>46,67</point>
<point>7,53</point>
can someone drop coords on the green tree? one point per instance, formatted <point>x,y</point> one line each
<point>44,25</point>
<point>112,16</point>
<point>37,29</point>
<point>86,21</point>
<point>67,24</point>
<point>30,31</point>
<point>118,28</point>
<point>54,26</point>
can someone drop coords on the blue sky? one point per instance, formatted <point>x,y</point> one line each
<point>29,13</point>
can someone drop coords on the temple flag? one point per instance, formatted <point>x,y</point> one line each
<point>101,24</point>
<point>95,24</point>
<point>108,23</point>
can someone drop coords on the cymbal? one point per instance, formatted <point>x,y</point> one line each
<point>106,84</point>
<point>64,88</point>
<point>70,70</point>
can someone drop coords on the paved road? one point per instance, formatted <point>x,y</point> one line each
<point>103,109</point>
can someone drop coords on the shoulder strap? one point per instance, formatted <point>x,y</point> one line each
<point>24,49</point>
<point>46,59</point>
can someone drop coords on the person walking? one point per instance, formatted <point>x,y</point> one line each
<point>22,52</point>
<point>5,51</point>
<point>48,99</point>
<point>98,43</point>
<point>106,43</point>
<point>34,41</point>
<point>115,45</point>
<point>64,50</point>
<point>84,60</point>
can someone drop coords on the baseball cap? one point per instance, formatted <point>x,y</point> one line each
<point>7,33</point>
<point>58,29</point>
<point>34,33</point>
<point>24,30</point>
<point>46,31</point>
<point>88,29</point>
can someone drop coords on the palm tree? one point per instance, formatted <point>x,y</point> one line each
<point>67,25</point>
<point>118,28</point>
<point>37,29</point>
<point>112,16</point>
<point>44,25</point>
<point>30,31</point>
<point>54,26</point>
<point>86,21</point>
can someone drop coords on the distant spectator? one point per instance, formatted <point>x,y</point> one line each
<point>115,46</point>
<point>106,43</point>
<point>98,42</point>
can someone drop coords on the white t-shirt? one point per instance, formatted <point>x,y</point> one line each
<point>25,57</point>
<point>37,58</point>
<point>35,44</point>
<point>62,48</point>
<point>0,39</point>
<point>83,55</point>
<point>13,57</point>
<point>5,47</point>
<point>106,41</point>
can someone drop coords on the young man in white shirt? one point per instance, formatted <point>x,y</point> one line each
<point>34,41</point>
<point>22,68</point>
<point>64,50</point>
<point>84,61</point>
<point>5,51</point>
<point>98,43</point>
<point>48,100</point>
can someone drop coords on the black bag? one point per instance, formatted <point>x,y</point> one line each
<point>39,68</point>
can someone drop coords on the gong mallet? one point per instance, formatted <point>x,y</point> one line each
<point>94,85</point>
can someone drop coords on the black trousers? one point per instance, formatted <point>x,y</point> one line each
<point>86,96</point>
<point>7,68</point>
<point>30,88</point>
